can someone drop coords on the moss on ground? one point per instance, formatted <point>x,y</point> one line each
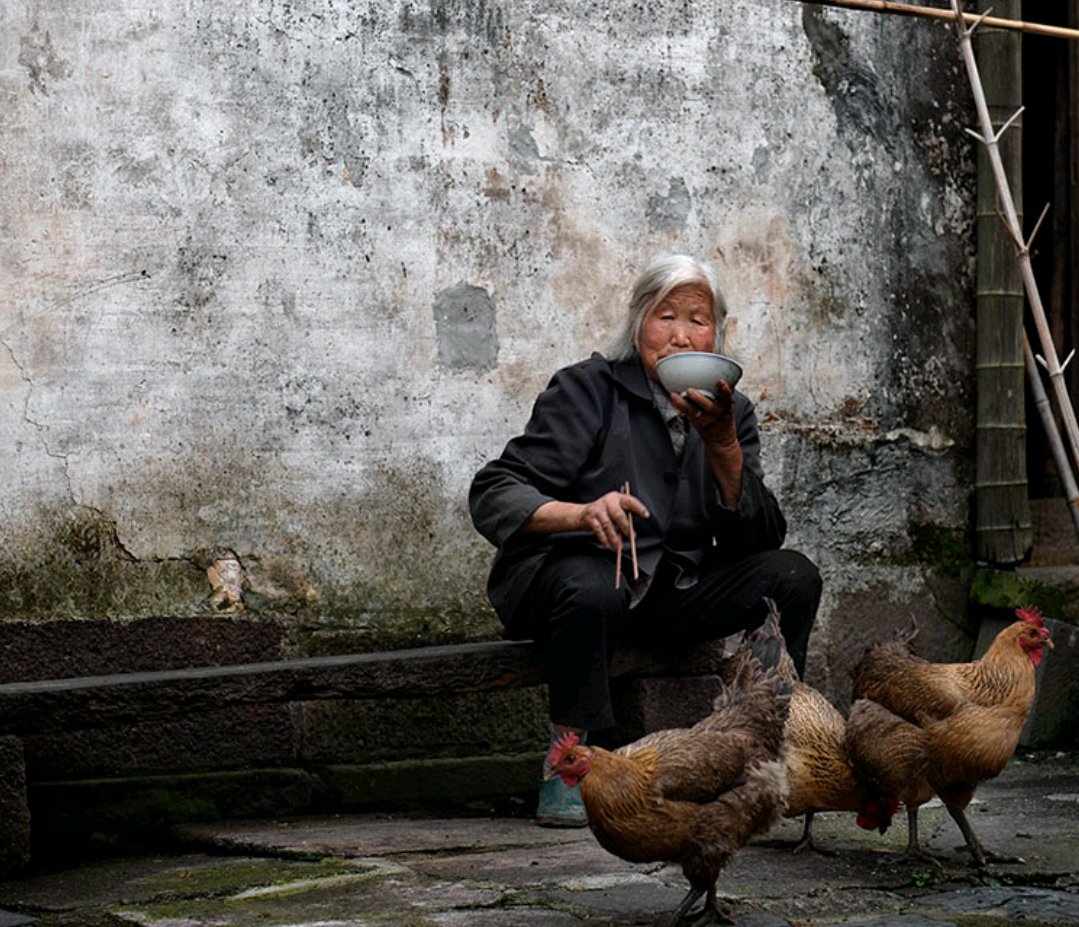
<point>249,892</point>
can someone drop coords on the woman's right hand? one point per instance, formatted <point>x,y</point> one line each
<point>608,517</point>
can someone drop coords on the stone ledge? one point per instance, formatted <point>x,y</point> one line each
<point>14,807</point>
<point>71,818</point>
<point>180,702</point>
<point>124,698</point>
<point>411,782</point>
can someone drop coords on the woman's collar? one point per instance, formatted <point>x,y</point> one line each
<point>630,374</point>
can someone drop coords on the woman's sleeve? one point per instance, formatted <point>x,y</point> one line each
<point>543,463</point>
<point>757,516</point>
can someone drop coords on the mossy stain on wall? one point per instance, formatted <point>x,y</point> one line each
<point>71,563</point>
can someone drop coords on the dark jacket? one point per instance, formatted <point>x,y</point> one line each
<point>593,428</point>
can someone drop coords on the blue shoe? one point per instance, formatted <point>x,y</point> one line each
<point>560,806</point>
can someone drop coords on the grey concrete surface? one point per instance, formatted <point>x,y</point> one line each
<point>281,277</point>
<point>484,871</point>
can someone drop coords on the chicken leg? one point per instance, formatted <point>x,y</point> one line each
<point>914,848</point>
<point>974,845</point>
<point>711,913</point>
<point>806,842</point>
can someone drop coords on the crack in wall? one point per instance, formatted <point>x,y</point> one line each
<point>107,283</point>
<point>224,570</point>
<point>40,428</point>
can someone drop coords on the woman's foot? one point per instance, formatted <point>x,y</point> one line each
<point>560,806</point>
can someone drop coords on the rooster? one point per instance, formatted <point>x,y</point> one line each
<point>920,729</point>
<point>694,795</point>
<point>820,772</point>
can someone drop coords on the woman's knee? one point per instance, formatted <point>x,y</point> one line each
<point>796,575</point>
<point>580,592</point>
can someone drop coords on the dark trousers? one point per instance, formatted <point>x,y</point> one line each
<point>579,617</point>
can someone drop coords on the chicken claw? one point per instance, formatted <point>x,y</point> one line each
<point>711,913</point>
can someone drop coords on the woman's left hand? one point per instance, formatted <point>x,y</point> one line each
<point>712,418</point>
<point>714,421</point>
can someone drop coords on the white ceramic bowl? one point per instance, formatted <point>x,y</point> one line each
<point>697,369</point>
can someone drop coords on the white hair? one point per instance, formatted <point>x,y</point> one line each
<point>653,286</point>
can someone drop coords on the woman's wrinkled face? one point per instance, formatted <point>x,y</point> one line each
<point>683,321</point>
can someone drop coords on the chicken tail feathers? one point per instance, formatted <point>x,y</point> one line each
<point>752,699</point>
<point>906,635</point>
<point>769,646</point>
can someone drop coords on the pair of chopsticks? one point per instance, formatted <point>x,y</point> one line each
<point>632,546</point>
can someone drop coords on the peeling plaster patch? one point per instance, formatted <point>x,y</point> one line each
<point>762,163</point>
<point>523,144</point>
<point>465,324</point>
<point>669,213</point>
<point>41,61</point>
<point>226,578</point>
<point>355,169</point>
<point>933,440</point>
<point>274,295</point>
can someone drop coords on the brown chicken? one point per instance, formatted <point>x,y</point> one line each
<point>919,729</point>
<point>695,795</point>
<point>820,773</point>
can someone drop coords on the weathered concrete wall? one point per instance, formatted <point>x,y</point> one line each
<point>279,277</point>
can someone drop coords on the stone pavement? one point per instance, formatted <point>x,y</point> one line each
<point>503,871</point>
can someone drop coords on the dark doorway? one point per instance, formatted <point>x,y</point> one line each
<point>1050,173</point>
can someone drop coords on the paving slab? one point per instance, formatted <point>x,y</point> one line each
<point>490,871</point>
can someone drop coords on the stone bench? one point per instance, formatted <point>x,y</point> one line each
<point>654,689</point>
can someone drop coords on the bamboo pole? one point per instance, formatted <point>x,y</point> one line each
<point>907,9</point>
<point>990,140</point>
<point>1045,411</point>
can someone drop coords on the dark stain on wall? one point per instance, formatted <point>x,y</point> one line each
<point>668,212</point>
<point>852,88</point>
<point>42,63</point>
<point>200,267</point>
<point>919,126</point>
<point>476,18</point>
<point>465,326</point>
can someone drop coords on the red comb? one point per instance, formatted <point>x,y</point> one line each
<point>567,740</point>
<point>1030,615</point>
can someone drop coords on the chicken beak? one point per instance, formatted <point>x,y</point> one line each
<point>549,774</point>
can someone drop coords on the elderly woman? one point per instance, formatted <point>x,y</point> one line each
<point>707,529</point>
